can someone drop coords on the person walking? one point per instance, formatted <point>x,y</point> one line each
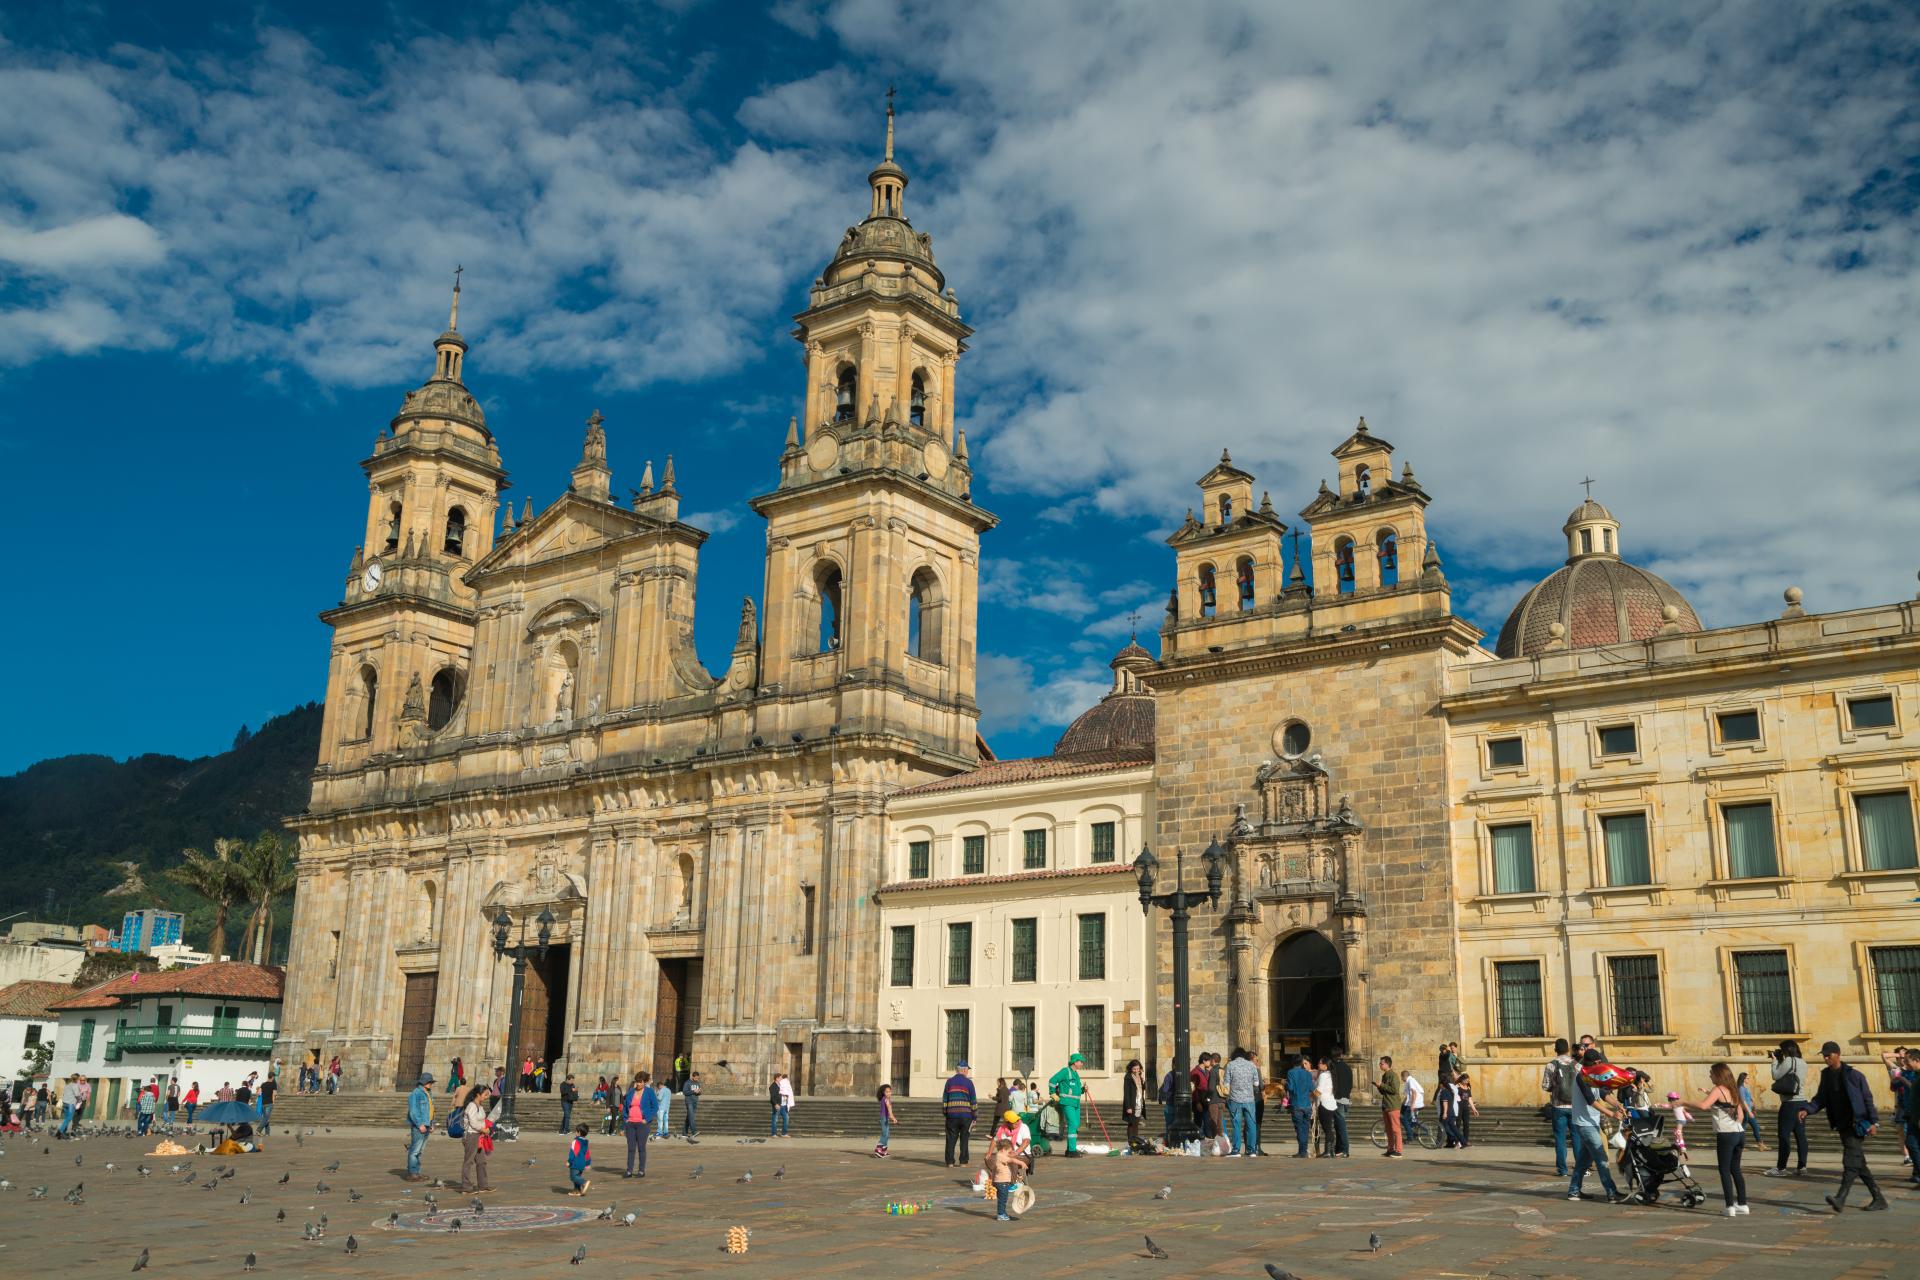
<point>1342,1072</point>
<point>419,1124</point>
<point>269,1089</point>
<point>1388,1087</point>
<point>1133,1102</point>
<point>1068,1091</point>
<point>640,1106</point>
<point>70,1104</point>
<point>884,1096</point>
<point>1729,1115</point>
<point>1241,1082</point>
<point>780,1099</point>
<point>1848,1102</point>
<point>1791,1083</point>
<point>1556,1081</point>
<point>1753,1120</point>
<point>690,1104</point>
<point>663,1110</point>
<point>1463,1091</point>
<point>172,1106</point>
<point>1903,1077</point>
<point>192,1101</point>
<point>334,1071</point>
<point>144,1106</point>
<point>1446,1102</point>
<point>569,1094</point>
<point>1300,1103</point>
<point>579,1162</point>
<point>957,1102</point>
<point>1590,1103</point>
<point>478,1111</point>
<point>1333,1138</point>
<point>1198,1088</point>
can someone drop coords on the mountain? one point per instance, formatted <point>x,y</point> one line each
<point>81,827</point>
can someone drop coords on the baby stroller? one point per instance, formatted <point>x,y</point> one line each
<point>1651,1158</point>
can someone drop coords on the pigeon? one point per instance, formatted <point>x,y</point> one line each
<point>1373,1242</point>
<point>143,1171</point>
<point>579,1255</point>
<point>780,1173</point>
<point>38,1193</point>
<point>5,1185</point>
<point>246,1196</point>
<point>299,1141</point>
<point>178,1168</point>
<point>331,1168</point>
<point>140,1263</point>
<point>353,1246</point>
<point>323,1222</point>
<point>286,1177</point>
<point>311,1233</point>
<point>1278,1274</point>
<point>433,1205</point>
<point>606,1215</point>
<point>478,1206</point>
<point>111,1166</point>
<point>454,1225</point>
<point>353,1197</point>
<point>697,1171</point>
<point>745,1177</point>
<point>393,1219</point>
<point>281,1216</point>
<point>629,1220</point>
<point>77,1160</point>
<point>322,1187</point>
<point>228,1174</point>
<point>529,1163</point>
<point>1164,1193</point>
<point>250,1263</point>
<point>210,1184</point>
<point>1154,1250</point>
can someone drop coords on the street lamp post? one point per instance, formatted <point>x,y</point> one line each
<point>502,925</point>
<point>1177,904</point>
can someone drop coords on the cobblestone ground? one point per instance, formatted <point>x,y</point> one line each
<point>1487,1212</point>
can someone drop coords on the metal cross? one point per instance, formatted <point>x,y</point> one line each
<point>456,278</point>
<point>1589,483</point>
<point>1133,621</point>
<point>889,99</point>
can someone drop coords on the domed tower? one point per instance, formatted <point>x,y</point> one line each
<point>1123,720</point>
<point>1596,598</point>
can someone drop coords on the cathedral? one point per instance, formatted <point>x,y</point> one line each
<point>1613,819</point>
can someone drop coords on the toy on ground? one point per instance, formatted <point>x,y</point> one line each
<point>906,1208</point>
<point>737,1239</point>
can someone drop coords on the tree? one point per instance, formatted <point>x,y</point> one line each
<point>266,872</point>
<point>39,1058</point>
<point>219,880</point>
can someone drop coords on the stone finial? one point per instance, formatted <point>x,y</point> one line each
<point>1916,595</point>
<point>526,512</point>
<point>1266,503</point>
<point>1430,562</point>
<point>873,404</point>
<point>793,434</point>
<point>646,479</point>
<point>1556,635</point>
<point>1362,428</point>
<point>960,444</point>
<point>359,561</point>
<point>1323,487</point>
<point>1793,596</point>
<point>506,520</point>
<point>1670,620</point>
<point>666,477</point>
<point>1406,475</point>
<point>1226,459</point>
<point>407,554</point>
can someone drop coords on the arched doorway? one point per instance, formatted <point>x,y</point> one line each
<point>1308,1009</point>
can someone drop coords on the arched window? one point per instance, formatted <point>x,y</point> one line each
<point>1606,538</point>
<point>917,400</point>
<point>563,672</point>
<point>1243,581</point>
<point>456,540</point>
<point>1363,480</point>
<point>826,587</point>
<point>1343,564</point>
<point>1226,509</point>
<point>1387,549</point>
<point>1586,541</point>
<point>926,610</point>
<point>844,390</point>
<point>393,526</point>
<point>1207,593</point>
<point>369,694</point>
<point>449,686</point>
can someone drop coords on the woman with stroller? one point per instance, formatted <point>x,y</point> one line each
<point>1729,1136</point>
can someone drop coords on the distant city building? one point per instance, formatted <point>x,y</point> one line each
<point>178,955</point>
<point>31,931</point>
<point>39,961</point>
<point>142,931</point>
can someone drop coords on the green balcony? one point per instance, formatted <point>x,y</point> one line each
<point>187,1040</point>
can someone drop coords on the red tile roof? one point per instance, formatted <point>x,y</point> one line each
<point>229,978</point>
<point>962,882</point>
<point>31,999</point>
<point>1036,769</point>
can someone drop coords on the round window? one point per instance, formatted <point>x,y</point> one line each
<point>1293,739</point>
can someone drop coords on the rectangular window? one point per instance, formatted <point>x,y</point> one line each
<point>1886,831</point>
<point>959,1033</point>
<point>85,1050</point>
<point>1506,753</point>
<point>1629,860</point>
<point>919,859</point>
<point>1636,995</point>
<point>1750,850</point>
<point>165,1016</point>
<point>1103,842</point>
<point>1020,1037</point>
<point>1517,983</point>
<point>1739,726</point>
<point>806,923</point>
<point>960,954</point>
<point>1512,857</point>
<point>33,1035</point>
<point>973,855</point>
<point>1619,740</point>
<point>1026,950</point>
<point>1036,849</point>
<point>1896,981</point>
<point>1093,948</point>
<point>1871,713</point>
<point>902,955</point>
<point>1765,993</point>
<point>1092,1039</point>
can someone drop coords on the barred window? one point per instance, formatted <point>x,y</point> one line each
<point>1750,850</point>
<point>959,1032</point>
<point>1512,857</point>
<point>1517,984</point>
<point>919,860</point>
<point>1020,1036</point>
<point>1036,848</point>
<point>1026,950</point>
<point>1092,1040</point>
<point>902,955</point>
<point>1886,831</point>
<point>1103,842</point>
<point>1636,995</point>
<point>1093,947</point>
<point>973,855</point>
<point>1765,991</point>
<point>1896,986</point>
<point>1629,859</point>
<point>960,954</point>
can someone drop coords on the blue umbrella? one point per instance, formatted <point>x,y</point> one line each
<point>229,1113</point>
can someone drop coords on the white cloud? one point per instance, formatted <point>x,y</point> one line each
<point>820,108</point>
<point>714,521</point>
<point>1013,698</point>
<point>109,240</point>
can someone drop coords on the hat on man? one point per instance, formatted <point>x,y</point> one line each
<point>964,1066</point>
<point>1075,1058</point>
<point>426,1077</point>
<point>1011,1117</point>
<point>1829,1047</point>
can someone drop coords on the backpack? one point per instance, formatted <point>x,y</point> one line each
<point>1166,1089</point>
<point>1787,1085</point>
<point>456,1123</point>
<point>1563,1076</point>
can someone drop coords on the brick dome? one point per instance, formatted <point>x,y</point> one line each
<point>1599,600</point>
<point>1118,722</point>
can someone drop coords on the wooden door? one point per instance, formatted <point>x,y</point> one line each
<point>416,1024</point>
<point>534,998</point>
<point>902,1071</point>
<point>797,1067</point>
<point>666,1017</point>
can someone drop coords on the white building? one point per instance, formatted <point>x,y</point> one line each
<point>212,1024</point>
<point>30,961</point>
<point>25,1023</point>
<point>1011,932</point>
<point>178,955</point>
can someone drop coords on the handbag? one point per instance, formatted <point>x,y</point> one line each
<point>486,1140</point>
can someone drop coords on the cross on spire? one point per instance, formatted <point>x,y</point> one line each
<point>1133,622</point>
<point>453,316</point>
<point>1589,483</point>
<point>890,92</point>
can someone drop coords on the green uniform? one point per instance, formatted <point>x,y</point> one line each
<point>1068,1089</point>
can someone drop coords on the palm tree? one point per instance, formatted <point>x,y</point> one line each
<point>266,872</point>
<point>218,880</point>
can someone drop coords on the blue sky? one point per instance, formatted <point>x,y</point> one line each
<point>1671,246</point>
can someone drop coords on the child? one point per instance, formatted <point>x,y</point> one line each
<point>885,1097</point>
<point>579,1161</point>
<point>1003,1171</point>
<point>1681,1118</point>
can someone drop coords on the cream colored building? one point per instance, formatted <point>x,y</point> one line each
<point>1011,934</point>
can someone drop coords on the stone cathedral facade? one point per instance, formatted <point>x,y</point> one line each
<point>516,720</point>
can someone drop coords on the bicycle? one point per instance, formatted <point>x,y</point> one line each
<point>1426,1135</point>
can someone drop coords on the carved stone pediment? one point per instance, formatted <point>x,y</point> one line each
<point>547,884</point>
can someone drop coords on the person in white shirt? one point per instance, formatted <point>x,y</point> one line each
<point>1413,1099</point>
<point>1017,1098</point>
<point>1326,1108</point>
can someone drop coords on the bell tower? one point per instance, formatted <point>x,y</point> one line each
<point>873,537</point>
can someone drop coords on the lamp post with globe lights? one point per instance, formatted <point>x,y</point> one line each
<point>1178,905</point>
<point>502,926</point>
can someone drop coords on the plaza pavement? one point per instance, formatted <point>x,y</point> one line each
<point>1486,1212</point>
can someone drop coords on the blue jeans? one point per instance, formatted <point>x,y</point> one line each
<point>1240,1127</point>
<point>886,1132</point>
<point>266,1118</point>
<point>1302,1126</point>
<point>778,1125</point>
<point>1562,1135</point>
<point>1002,1193</point>
<point>688,1126</point>
<point>1339,1127</point>
<point>1590,1151</point>
<point>416,1144</point>
<point>1166,1134</point>
<point>143,1123</point>
<point>566,1115</point>
<point>66,1119</point>
<point>1793,1126</point>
